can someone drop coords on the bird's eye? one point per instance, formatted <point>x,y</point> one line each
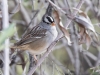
<point>48,20</point>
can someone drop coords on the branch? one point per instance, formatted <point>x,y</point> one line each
<point>57,62</point>
<point>68,51</point>
<point>87,60</point>
<point>75,48</point>
<point>6,25</point>
<point>49,9</point>
<point>56,6</point>
<point>75,12</point>
<point>24,13</point>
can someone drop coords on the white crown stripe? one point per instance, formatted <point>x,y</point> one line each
<point>46,20</point>
<point>50,18</point>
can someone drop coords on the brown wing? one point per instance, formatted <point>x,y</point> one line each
<point>36,33</point>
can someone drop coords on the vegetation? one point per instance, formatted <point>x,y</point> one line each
<point>76,50</point>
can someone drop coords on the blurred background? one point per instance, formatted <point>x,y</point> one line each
<point>64,59</point>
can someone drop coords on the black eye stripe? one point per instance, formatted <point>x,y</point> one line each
<point>49,19</point>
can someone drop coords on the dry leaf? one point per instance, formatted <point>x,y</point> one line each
<point>85,38</point>
<point>88,41</point>
<point>84,22</point>
<point>81,30</point>
<point>62,28</point>
<point>85,26</point>
<point>66,34</point>
<point>83,19</point>
<point>81,34</point>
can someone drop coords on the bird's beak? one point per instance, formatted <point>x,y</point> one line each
<point>53,24</point>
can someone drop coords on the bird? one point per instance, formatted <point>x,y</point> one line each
<point>39,38</point>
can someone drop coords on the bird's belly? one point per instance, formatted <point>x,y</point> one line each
<point>39,46</point>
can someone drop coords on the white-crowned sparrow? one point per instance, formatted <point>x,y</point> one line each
<point>40,37</point>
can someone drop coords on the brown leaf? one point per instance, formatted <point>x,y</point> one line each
<point>88,41</point>
<point>82,39</point>
<point>85,39</point>
<point>56,16</point>
<point>82,30</point>
<point>64,30</point>
<point>83,20</point>
<point>81,34</point>
<point>82,14</point>
<point>66,34</point>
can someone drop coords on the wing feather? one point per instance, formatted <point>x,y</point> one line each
<point>36,33</point>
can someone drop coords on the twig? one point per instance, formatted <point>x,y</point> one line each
<point>98,58</point>
<point>58,47</point>
<point>67,49</point>
<point>87,60</point>
<point>15,10</point>
<point>52,57</point>
<point>69,52</point>
<point>49,9</point>
<point>18,22</point>
<point>6,25</point>
<point>91,5</point>
<point>90,55</point>
<point>75,45</point>
<point>68,6</point>
<point>24,13</point>
<point>75,48</point>
<point>75,12</point>
<point>56,6</point>
<point>13,70</point>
